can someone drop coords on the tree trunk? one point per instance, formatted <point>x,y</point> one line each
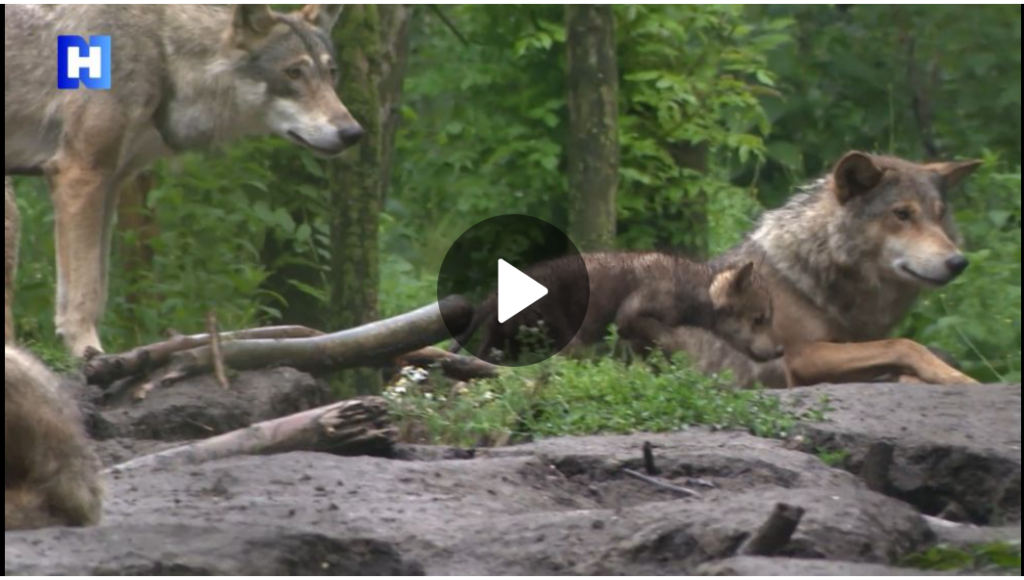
<point>395,22</point>
<point>593,128</point>
<point>693,213</point>
<point>136,248</point>
<point>356,185</point>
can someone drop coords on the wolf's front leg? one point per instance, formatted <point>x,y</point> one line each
<point>81,198</point>
<point>821,362</point>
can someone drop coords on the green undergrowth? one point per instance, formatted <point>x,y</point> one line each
<point>998,558</point>
<point>563,397</point>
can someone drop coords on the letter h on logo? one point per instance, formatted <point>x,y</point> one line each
<point>81,63</point>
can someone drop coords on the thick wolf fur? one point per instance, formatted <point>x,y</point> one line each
<point>846,259</point>
<point>51,474</point>
<point>183,77</point>
<point>647,295</point>
<point>12,235</point>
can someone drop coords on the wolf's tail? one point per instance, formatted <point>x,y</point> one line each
<point>51,473</point>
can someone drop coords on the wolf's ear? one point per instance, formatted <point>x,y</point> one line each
<point>253,21</point>
<point>955,173</point>
<point>744,279</point>
<point>323,16</point>
<point>856,174</point>
<point>730,284</point>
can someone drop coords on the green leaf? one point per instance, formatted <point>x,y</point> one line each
<point>313,166</point>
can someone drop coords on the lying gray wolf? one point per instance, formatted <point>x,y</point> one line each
<point>646,295</point>
<point>51,474</point>
<point>845,261</point>
<point>183,77</point>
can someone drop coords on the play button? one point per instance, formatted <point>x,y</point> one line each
<point>528,283</point>
<point>516,291</point>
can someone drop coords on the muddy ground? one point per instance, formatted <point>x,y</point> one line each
<point>555,507</point>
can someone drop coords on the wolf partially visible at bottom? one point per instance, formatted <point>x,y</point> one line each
<point>51,474</point>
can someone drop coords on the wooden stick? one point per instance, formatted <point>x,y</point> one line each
<point>218,355</point>
<point>359,426</point>
<point>375,344</point>
<point>661,484</point>
<point>776,533</point>
<point>649,464</point>
<point>460,368</point>
<point>106,370</point>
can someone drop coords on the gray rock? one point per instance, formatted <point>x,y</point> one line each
<point>182,550</point>
<point>955,450</point>
<point>556,507</point>
<point>790,567</point>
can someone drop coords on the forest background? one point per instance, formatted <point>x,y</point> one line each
<point>709,115</point>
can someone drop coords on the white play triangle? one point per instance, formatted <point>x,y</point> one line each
<point>516,291</point>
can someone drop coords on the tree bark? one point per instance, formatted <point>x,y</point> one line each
<point>593,126</point>
<point>136,250</point>
<point>395,25</point>
<point>356,191</point>
<point>693,214</point>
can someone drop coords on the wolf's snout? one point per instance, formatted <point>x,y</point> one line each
<point>957,265</point>
<point>350,136</point>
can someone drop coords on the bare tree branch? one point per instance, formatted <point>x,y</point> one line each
<point>359,426</point>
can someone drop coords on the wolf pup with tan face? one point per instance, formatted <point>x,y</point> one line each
<point>846,260</point>
<point>182,78</point>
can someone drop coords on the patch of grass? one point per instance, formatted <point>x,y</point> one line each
<point>55,356</point>
<point>999,558</point>
<point>562,397</point>
<point>835,459</point>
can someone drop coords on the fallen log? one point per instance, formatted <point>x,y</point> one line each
<point>355,427</point>
<point>372,345</point>
<point>454,366</point>
<point>105,370</point>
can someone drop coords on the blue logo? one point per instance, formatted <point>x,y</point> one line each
<point>81,63</point>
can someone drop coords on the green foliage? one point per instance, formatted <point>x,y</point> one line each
<point>999,558</point>
<point>836,459</point>
<point>582,397</point>
<point>724,110</point>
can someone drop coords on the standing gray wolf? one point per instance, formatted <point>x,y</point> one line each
<point>845,261</point>
<point>12,225</point>
<point>51,475</point>
<point>647,295</point>
<point>183,77</point>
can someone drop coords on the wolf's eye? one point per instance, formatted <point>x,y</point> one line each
<point>903,214</point>
<point>294,73</point>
